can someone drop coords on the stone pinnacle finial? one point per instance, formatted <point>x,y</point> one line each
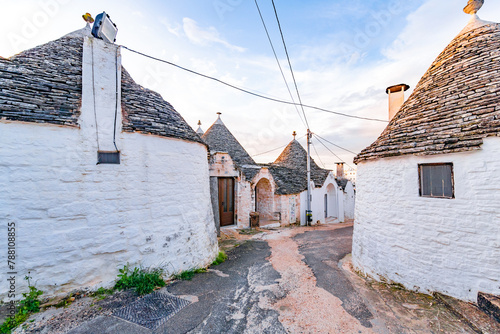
<point>473,6</point>
<point>199,122</point>
<point>88,18</point>
<point>219,113</point>
<point>294,134</point>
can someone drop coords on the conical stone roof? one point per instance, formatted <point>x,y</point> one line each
<point>220,139</point>
<point>289,170</point>
<point>44,85</point>
<point>294,156</point>
<point>456,103</point>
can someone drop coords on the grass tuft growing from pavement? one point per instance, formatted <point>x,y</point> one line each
<point>189,274</point>
<point>221,257</point>
<point>101,293</point>
<point>144,281</point>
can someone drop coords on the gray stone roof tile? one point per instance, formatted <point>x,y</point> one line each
<point>146,111</point>
<point>289,170</point>
<point>454,106</point>
<point>220,139</point>
<point>44,85</point>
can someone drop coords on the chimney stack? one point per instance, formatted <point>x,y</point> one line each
<point>340,170</point>
<point>396,98</point>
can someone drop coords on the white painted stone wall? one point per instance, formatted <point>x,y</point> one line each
<point>221,165</point>
<point>428,244</point>
<point>244,203</point>
<point>289,208</point>
<point>336,206</point>
<point>77,222</point>
<point>349,201</point>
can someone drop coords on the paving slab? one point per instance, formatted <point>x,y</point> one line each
<point>109,325</point>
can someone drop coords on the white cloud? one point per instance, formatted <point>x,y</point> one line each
<point>200,36</point>
<point>174,30</point>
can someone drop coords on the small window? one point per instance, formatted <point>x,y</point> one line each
<point>436,180</point>
<point>108,158</point>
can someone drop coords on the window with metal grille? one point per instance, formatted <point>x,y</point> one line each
<point>436,180</point>
<point>108,158</point>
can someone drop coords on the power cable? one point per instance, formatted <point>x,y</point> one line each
<point>252,93</point>
<point>277,61</point>
<point>289,63</point>
<point>274,149</point>
<point>340,160</point>
<point>314,147</point>
<point>345,149</point>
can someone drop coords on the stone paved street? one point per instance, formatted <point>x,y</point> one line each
<point>291,280</point>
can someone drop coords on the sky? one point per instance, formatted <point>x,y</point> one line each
<point>344,54</point>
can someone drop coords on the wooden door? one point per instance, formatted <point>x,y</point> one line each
<point>226,201</point>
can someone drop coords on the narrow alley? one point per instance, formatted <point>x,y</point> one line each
<point>289,280</point>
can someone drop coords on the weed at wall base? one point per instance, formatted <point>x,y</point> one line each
<point>221,257</point>
<point>27,306</point>
<point>144,281</point>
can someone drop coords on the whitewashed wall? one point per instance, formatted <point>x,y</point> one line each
<point>349,201</point>
<point>318,202</point>
<point>77,222</point>
<point>430,244</point>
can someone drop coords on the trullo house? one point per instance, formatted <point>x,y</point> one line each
<point>428,189</point>
<point>276,191</point>
<point>95,170</point>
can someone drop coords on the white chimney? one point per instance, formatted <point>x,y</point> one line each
<point>101,113</point>
<point>340,170</point>
<point>396,98</point>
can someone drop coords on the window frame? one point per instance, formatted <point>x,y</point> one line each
<point>103,158</point>
<point>420,179</point>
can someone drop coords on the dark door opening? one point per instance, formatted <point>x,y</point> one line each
<point>326,205</point>
<point>226,201</point>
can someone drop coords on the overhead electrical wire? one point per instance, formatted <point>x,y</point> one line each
<point>340,160</point>
<point>314,146</point>
<point>345,149</point>
<point>274,149</point>
<point>277,61</point>
<point>289,63</point>
<point>250,92</point>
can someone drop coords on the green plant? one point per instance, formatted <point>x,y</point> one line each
<point>189,274</point>
<point>30,304</point>
<point>144,281</point>
<point>221,257</point>
<point>101,293</point>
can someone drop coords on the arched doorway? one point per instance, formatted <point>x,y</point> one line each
<point>331,207</point>
<point>264,200</point>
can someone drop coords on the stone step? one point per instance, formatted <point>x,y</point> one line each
<point>489,304</point>
<point>479,321</point>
